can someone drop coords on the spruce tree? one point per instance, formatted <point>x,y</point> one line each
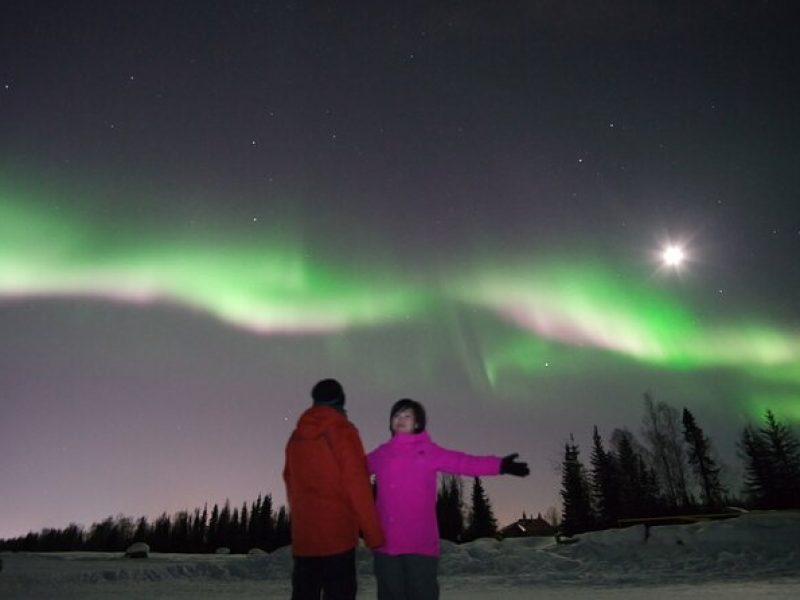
<point>772,464</point>
<point>481,521</point>
<point>700,458</point>
<point>213,529</point>
<point>142,531</point>
<point>283,531</point>
<point>605,483</point>
<point>651,503</point>
<point>179,533</point>
<point>99,533</point>
<point>784,447</point>
<point>759,478</point>
<point>244,522</point>
<point>638,485</point>
<point>253,528</point>
<point>198,534</point>
<point>575,493</point>
<point>232,539</point>
<point>449,508</point>
<point>160,539</point>
<point>224,526</point>
<point>73,537</point>
<point>266,527</point>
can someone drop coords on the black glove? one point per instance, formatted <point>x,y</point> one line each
<point>510,466</point>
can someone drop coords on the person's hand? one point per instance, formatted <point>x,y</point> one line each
<point>511,466</point>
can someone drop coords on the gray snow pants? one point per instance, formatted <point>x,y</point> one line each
<point>407,576</point>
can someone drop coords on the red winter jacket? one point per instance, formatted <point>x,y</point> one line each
<point>327,486</point>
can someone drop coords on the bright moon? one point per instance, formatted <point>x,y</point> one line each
<point>673,256</point>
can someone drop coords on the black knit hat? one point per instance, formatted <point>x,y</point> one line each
<point>414,406</point>
<point>328,392</point>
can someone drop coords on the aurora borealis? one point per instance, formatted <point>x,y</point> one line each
<point>267,288</point>
<point>461,205</point>
<point>276,288</point>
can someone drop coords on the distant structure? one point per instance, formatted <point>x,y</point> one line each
<point>528,527</point>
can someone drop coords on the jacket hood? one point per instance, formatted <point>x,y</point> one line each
<point>316,421</point>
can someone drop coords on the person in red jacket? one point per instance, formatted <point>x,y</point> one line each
<point>330,498</point>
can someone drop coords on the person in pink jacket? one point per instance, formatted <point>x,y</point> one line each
<point>406,469</point>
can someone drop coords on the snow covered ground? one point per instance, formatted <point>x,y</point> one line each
<point>756,555</point>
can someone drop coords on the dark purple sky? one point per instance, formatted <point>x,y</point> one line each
<point>206,207</point>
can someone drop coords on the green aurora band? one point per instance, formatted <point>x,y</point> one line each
<point>584,304</point>
<point>528,320</point>
<point>268,288</point>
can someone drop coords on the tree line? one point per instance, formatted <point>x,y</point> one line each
<point>238,529</point>
<point>458,524</point>
<point>674,471</point>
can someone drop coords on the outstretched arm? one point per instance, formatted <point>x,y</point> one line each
<point>461,463</point>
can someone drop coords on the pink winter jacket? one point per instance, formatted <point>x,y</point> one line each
<point>405,471</point>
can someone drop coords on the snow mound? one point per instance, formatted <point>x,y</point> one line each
<point>137,550</point>
<point>752,547</point>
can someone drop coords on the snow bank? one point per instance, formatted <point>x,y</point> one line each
<point>753,547</point>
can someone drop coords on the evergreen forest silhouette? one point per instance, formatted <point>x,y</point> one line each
<point>672,471</point>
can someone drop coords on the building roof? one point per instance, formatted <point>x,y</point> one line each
<point>528,527</point>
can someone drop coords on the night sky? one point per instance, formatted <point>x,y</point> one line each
<point>205,207</point>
